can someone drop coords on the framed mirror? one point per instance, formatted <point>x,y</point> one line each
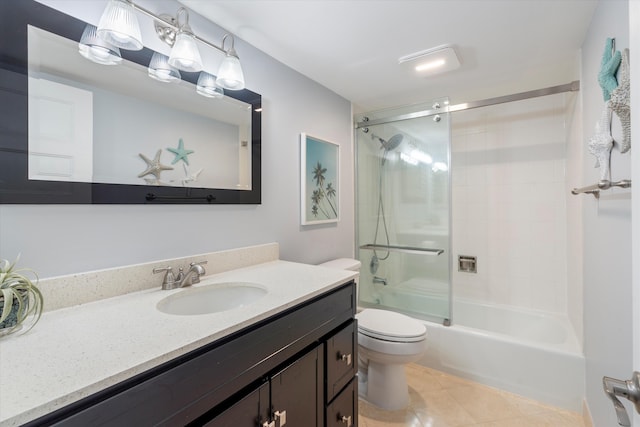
<point>75,131</point>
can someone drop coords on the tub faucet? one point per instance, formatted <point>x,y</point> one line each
<point>382,280</point>
<point>182,279</point>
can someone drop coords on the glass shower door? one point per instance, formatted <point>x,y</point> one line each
<point>403,212</point>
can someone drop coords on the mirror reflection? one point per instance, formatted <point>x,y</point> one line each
<point>115,125</point>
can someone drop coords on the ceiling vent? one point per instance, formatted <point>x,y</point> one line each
<point>436,60</point>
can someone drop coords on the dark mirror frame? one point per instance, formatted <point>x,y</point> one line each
<point>16,188</point>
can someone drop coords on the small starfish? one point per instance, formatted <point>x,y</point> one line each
<point>601,142</point>
<point>181,153</point>
<point>190,177</point>
<point>154,167</point>
<point>608,68</point>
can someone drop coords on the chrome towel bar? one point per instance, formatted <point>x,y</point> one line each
<point>406,249</point>
<point>602,185</point>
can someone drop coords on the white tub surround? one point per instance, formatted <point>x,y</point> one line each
<point>530,353</point>
<point>76,351</point>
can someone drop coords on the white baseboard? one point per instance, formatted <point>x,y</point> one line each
<point>586,415</point>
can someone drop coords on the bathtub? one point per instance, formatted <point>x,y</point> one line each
<point>529,353</point>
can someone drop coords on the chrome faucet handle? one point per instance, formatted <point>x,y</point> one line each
<point>198,263</point>
<point>169,280</point>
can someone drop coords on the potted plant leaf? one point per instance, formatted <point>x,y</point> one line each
<point>21,301</point>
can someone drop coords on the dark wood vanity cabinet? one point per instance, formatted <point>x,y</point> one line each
<point>341,384</point>
<point>292,396</point>
<point>296,368</point>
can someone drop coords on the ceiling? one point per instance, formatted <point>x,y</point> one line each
<point>352,46</point>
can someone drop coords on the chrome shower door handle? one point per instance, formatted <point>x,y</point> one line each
<point>629,389</point>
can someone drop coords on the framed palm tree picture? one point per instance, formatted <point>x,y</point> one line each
<point>319,180</point>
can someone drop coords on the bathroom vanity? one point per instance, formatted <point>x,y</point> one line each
<point>275,370</point>
<point>287,359</point>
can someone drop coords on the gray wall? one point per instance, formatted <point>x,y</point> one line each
<point>58,239</point>
<point>607,231</point>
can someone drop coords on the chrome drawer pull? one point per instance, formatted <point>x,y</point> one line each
<point>281,417</point>
<point>345,357</point>
<point>346,420</point>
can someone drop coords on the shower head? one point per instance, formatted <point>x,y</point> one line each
<point>392,143</point>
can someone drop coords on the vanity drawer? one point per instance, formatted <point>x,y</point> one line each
<point>343,411</point>
<point>342,359</point>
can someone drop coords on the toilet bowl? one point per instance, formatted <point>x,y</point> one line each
<point>386,342</point>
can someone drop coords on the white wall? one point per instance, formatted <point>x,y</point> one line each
<point>607,231</point>
<point>509,209</point>
<point>59,239</point>
<point>634,45</point>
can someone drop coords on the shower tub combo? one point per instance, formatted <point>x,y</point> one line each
<point>533,354</point>
<point>403,212</point>
<point>530,353</point>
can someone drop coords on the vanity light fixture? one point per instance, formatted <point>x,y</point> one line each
<point>208,87</point>
<point>432,61</point>
<point>95,49</point>
<point>160,69</point>
<point>119,26</point>
<point>230,74</point>
<point>185,55</point>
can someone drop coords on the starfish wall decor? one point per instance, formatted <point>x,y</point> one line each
<point>180,152</point>
<point>154,167</point>
<point>190,177</point>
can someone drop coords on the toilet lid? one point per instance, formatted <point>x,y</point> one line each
<point>390,326</point>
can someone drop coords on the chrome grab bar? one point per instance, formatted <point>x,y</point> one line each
<point>601,185</point>
<point>406,249</point>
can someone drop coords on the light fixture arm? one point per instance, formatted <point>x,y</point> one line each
<point>231,51</point>
<point>174,25</point>
<point>185,26</point>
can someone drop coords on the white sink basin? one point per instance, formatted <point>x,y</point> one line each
<point>212,298</point>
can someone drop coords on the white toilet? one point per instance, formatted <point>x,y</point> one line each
<point>386,342</point>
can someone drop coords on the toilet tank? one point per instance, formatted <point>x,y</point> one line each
<point>343,264</point>
<point>346,264</point>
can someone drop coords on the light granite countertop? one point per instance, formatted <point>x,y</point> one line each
<point>76,351</point>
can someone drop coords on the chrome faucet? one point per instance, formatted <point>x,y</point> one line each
<point>191,277</point>
<point>382,280</point>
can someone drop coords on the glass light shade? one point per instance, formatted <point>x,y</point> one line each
<point>185,55</point>
<point>160,69</point>
<point>230,74</point>
<point>97,50</point>
<point>207,86</point>
<point>119,26</point>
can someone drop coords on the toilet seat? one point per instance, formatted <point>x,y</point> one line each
<point>390,326</point>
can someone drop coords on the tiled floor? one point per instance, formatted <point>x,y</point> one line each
<point>441,400</point>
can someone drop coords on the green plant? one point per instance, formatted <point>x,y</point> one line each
<point>20,299</point>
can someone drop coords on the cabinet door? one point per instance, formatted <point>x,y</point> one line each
<point>250,411</point>
<point>296,392</point>
<point>342,359</point>
<point>343,411</point>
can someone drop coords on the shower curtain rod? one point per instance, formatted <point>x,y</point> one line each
<point>568,87</point>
